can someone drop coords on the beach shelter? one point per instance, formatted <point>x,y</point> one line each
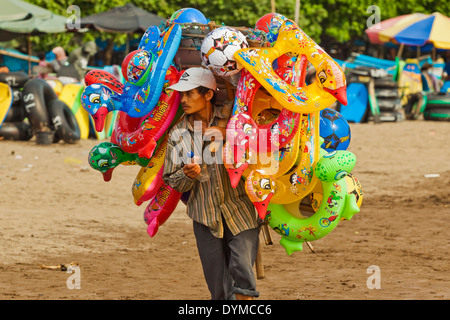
<point>19,17</point>
<point>126,19</point>
<point>374,30</point>
<point>416,29</point>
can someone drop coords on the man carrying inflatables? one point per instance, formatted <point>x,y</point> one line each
<point>225,222</point>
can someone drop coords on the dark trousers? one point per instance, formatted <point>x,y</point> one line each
<point>228,262</point>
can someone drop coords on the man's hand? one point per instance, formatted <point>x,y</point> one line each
<point>192,170</point>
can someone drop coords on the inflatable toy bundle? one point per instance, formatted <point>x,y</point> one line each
<point>146,110</point>
<point>282,138</point>
<point>295,158</point>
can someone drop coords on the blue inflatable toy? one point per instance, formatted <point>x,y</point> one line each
<point>139,96</point>
<point>188,15</point>
<point>334,129</point>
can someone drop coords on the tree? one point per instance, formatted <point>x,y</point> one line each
<point>71,40</point>
<point>340,20</point>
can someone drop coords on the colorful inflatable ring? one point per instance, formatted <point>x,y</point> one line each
<point>260,177</point>
<point>273,135</point>
<point>353,188</point>
<point>249,103</point>
<point>336,204</point>
<point>142,140</point>
<point>254,139</point>
<point>160,208</point>
<point>299,181</point>
<point>262,138</point>
<point>265,169</point>
<point>149,179</point>
<point>330,84</point>
<point>106,156</point>
<point>98,98</point>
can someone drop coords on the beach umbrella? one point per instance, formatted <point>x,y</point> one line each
<point>18,17</point>
<point>126,19</point>
<point>416,29</point>
<point>374,30</point>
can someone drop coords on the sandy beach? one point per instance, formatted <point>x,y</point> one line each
<point>55,209</point>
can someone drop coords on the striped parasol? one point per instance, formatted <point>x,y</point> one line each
<point>416,29</point>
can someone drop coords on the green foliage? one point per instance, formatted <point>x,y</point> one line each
<point>72,40</point>
<point>342,20</point>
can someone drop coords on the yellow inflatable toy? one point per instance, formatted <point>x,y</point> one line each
<point>149,179</point>
<point>330,84</point>
<point>56,85</point>
<point>71,95</point>
<point>6,100</point>
<point>308,172</point>
<point>299,181</point>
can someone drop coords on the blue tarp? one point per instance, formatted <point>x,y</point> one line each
<point>17,64</point>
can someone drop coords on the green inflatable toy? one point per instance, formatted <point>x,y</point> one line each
<point>106,156</point>
<point>337,204</point>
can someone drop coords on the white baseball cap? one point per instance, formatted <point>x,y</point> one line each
<point>193,78</point>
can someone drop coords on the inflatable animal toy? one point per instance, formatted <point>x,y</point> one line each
<point>160,208</point>
<point>330,84</point>
<point>247,141</point>
<point>106,156</point>
<point>137,101</point>
<point>243,131</point>
<point>142,139</point>
<point>149,179</point>
<point>337,203</point>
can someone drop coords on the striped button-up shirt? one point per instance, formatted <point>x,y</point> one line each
<point>209,200</point>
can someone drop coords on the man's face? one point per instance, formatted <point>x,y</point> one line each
<point>192,101</point>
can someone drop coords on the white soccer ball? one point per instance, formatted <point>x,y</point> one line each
<point>218,48</point>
